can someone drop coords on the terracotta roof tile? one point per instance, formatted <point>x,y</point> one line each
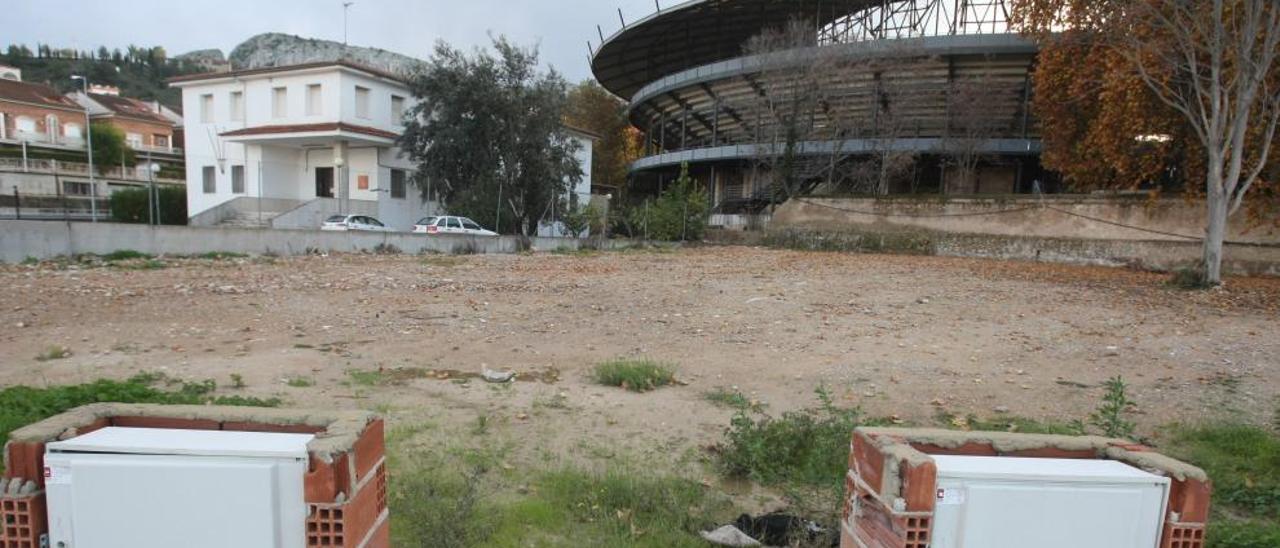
<point>39,94</point>
<point>130,108</point>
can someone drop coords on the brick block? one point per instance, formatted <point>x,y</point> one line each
<point>971,449</point>
<point>25,460</point>
<point>1180,535</point>
<point>1053,453</point>
<point>369,449</point>
<point>273,428</point>
<point>381,537</point>
<point>324,480</point>
<point>919,486</point>
<point>165,422</point>
<point>350,523</point>
<point>868,463</point>
<point>1190,500</point>
<point>22,521</point>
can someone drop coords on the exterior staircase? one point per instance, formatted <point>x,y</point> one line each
<point>250,219</point>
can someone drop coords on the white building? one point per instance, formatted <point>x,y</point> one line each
<point>287,147</point>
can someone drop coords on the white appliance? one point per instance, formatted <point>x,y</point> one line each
<point>997,502</point>
<point>158,488</point>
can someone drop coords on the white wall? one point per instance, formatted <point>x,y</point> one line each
<point>287,172</point>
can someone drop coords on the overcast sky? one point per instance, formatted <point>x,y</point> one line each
<point>560,27</point>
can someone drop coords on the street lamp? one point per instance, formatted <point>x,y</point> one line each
<point>88,132</point>
<point>153,197</point>
<point>340,182</point>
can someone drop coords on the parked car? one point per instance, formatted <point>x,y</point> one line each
<point>451,225</point>
<point>363,223</point>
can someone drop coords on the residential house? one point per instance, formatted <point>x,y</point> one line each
<point>581,192</point>
<point>38,114</point>
<point>10,73</point>
<point>145,127</point>
<point>288,146</point>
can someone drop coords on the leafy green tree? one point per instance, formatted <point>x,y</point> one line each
<point>488,137</point>
<point>593,108</point>
<point>109,147</point>
<point>679,213</point>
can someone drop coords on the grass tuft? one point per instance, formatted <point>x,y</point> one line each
<point>634,375</point>
<point>124,255</point>
<point>299,382</point>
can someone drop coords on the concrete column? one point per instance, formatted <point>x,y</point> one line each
<point>341,180</point>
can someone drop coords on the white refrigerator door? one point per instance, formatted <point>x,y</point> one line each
<point>979,513</point>
<point>161,501</point>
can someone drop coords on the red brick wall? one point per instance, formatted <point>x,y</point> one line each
<point>147,129</point>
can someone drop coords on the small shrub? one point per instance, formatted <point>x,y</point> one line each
<point>465,247</point>
<point>198,389</point>
<point>124,255</point>
<point>299,382</point>
<point>131,205</point>
<point>1190,278</point>
<point>1110,416</point>
<point>681,212</point>
<point>386,249</point>
<point>440,508</point>
<point>634,375</point>
<point>220,255</point>
<point>731,398</point>
<point>365,378</point>
<point>54,353</point>
<point>237,381</point>
<point>808,447</point>
<point>30,261</point>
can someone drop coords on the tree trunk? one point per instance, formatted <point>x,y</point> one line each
<point>1215,233</point>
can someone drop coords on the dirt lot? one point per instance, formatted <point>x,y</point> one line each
<point>904,336</point>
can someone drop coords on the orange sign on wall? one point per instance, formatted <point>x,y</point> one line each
<point>362,182</point>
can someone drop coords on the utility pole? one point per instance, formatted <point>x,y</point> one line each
<point>88,133</point>
<point>345,8</point>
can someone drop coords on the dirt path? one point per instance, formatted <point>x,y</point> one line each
<point>905,336</point>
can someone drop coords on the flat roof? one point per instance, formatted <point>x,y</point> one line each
<point>290,68</point>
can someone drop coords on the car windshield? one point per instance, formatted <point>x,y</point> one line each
<point>469,224</point>
<point>336,219</point>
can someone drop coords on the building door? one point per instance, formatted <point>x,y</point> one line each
<point>324,182</point>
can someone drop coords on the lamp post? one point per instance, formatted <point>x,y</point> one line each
<point>153,196</point>
<point>340,182</point>
<point>88,132</point>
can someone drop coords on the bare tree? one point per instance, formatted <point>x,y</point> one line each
<point>972,102</point>
<point>1213,62</point>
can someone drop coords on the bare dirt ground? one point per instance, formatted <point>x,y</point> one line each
<point>897,335</point>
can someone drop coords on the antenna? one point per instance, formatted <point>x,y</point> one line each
<point>345,8</point>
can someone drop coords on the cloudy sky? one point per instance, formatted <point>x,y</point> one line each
<point>560,28</point>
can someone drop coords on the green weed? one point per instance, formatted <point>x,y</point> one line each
<point>808,447</point>
<point>54,353</point>
<point>634,375</point>
<point>124,255</point>
<point>731,398</point>
<point>299,382</point>
<point>1110,415</point>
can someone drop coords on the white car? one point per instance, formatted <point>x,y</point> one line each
<point>343,223</point>
<point>451,225</point>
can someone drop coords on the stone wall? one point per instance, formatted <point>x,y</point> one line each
<point>1085,217</point>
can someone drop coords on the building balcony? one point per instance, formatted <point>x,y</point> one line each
<point>137,173</point>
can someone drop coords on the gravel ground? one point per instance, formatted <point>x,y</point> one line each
<point>897,335</point>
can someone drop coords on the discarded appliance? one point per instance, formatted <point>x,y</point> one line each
<point>909,488</point>
<point>147,476</point>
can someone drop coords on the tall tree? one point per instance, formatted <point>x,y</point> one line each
<point>487,134</point>
<point>1212,64</point>
<point>594,109</point>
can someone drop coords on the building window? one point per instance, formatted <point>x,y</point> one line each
<point>72,132</point>
<point>314,100</point>
<point>398,189</point>
<point>279,102</point>
<point>24,124</point>
<point>51,127</point>
<point>206,108</point>
<point>208,177</point>
<point>397,110</point>
<point>71,188</point>
<point>362,102</point>
<point>237,106</point>
<point>237,179</point>
<point>134,140</point>
<point>159,140</point>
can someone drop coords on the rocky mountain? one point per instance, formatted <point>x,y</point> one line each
<point>276,49</point>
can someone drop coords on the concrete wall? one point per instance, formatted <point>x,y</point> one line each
<point>1157,255</point>
<point>1050,217</point>
<point>47,239</point>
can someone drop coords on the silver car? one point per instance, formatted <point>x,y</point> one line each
<point>362,223</point>
<point>451,225</point>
